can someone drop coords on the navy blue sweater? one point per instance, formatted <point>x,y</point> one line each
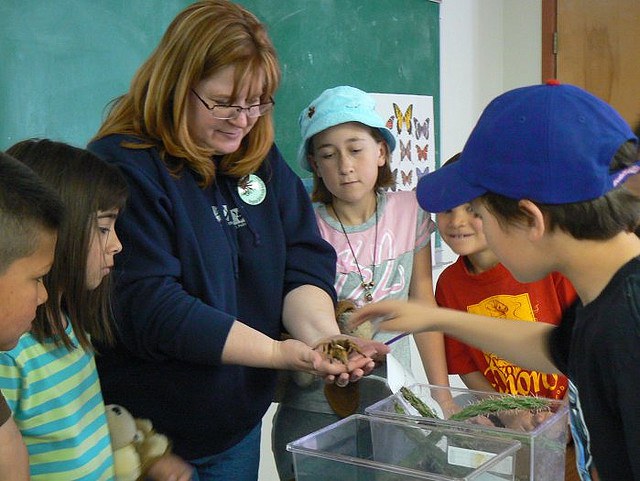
<point>182,279</point>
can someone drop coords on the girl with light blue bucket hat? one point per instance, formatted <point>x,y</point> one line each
<point>381,240</point>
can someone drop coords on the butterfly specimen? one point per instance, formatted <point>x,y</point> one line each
<point>422,128</point>
<point>405,150</point>
<point>422,151</point>
<point>395,180</point>
<point>403,119</point>
<point>407,177</point>
<point>389,123</point>
<point>420,173</point>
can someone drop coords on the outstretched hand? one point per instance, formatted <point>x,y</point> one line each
<point>393,315</point>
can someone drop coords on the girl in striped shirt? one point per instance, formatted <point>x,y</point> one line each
<point>50,378</point>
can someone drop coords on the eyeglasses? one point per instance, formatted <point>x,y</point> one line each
<point>228,112</point>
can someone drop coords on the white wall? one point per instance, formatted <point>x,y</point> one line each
<point>486,48</point>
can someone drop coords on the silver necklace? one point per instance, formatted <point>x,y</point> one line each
<point>367,286</point>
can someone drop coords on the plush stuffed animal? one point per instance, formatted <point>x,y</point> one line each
<point>134,442</point>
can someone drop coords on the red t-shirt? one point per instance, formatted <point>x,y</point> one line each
<point>496,293</point>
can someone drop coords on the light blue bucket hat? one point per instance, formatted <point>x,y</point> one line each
<point>336,106</point>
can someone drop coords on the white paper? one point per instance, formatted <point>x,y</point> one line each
<point>471,458</point>
<point>397,376</point>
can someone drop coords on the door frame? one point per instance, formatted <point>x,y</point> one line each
<point>549,39</point>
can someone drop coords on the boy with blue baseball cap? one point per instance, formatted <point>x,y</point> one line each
<point>544,169</point>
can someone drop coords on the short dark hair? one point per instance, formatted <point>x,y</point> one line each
<point>599,219</point>
<point>27,207</point>
<point>86,185</point>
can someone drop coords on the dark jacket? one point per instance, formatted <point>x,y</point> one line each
<point>184,276</point>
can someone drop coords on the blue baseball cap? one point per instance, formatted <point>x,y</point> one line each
<point>336,106</point>
<point>550,143</point>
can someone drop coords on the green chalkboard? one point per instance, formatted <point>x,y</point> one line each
<point>385,46</point>
<point>62,61</point>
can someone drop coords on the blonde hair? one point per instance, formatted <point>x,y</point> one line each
<point>202,40</point>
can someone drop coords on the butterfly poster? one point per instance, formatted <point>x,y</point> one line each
<point>410,119</point>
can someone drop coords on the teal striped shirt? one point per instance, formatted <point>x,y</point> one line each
<point>57,404</point>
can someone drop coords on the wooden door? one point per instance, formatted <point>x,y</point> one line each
<point>595,44</point>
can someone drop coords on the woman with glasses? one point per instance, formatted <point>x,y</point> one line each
<point>221,247</point>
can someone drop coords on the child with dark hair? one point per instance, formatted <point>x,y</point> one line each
<point>542,168</point>
<point>51,377</point>
<point>478,283</point>
<point>30,216</point>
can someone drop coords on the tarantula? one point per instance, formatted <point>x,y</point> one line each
<point>339,349</point>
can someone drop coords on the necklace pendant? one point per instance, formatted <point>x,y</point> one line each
<point>367,286</point>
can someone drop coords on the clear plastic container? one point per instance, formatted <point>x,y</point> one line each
<point>368,448</point>
<point>542,432</point>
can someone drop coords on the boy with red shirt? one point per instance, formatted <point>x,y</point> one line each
<point>478,283</point>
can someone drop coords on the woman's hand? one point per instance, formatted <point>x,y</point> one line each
<point>295,355</point>
<point>359,355</point>
<point>360,361</point>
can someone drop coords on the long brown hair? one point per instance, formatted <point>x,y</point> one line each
<point>202,40</point>
<point>86,185</point>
